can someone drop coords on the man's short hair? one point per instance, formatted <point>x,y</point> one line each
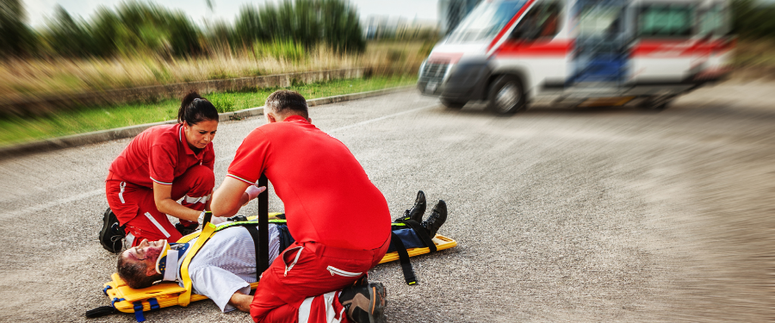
<point>133,273</point>
<point>285,101</point>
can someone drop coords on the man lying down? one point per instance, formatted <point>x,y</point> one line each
<point>226,265</point>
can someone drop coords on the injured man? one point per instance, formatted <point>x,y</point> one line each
<point>226,265</point>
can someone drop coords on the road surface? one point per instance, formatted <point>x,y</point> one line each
<point>582,215</point>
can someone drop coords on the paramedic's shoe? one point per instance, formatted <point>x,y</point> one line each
<point>111,235</point>
<point>436,219</point>
<point>186,230</point>
<point>237,218</point>
<point>417,210</point>
<point>364,303</point>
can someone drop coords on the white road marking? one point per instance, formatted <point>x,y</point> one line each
<point>54,203</point>
<point>381,118</point>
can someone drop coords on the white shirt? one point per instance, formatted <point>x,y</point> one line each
<point>227,264</point>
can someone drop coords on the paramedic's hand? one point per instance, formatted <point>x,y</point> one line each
<point>252,191</point>
<point>218,220</point>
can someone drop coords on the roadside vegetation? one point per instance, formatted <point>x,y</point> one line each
<point>86,119</point>
<point>140,44</point>
<point>144,44</point>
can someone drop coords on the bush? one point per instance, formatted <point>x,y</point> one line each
<point>223,102</point>
<point>280,49</point>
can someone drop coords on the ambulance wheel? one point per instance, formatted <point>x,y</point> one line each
<point>506,96</point>
<point>453,104</point>
<point>657,103</point>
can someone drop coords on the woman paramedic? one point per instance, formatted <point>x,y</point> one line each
<point>161,165</point>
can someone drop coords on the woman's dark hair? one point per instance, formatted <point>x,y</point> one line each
<point>195,109</point>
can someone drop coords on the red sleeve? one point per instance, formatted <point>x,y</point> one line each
<point>209,158</point>
<point>162,160</point>
<point>250,160</point>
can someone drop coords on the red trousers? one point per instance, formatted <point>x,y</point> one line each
<point>135,207</point>
<point>303,283</point>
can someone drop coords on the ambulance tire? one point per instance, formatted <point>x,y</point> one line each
<point>506,96</point>
<point>453,104</point>
<point>657,103</point>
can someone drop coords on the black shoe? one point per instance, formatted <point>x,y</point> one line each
<point>436,219</point>
<point>112,233</point>
<point>186,230</point>
<point>237,218</point>
<point>416,212</point>
<point>364,303</point>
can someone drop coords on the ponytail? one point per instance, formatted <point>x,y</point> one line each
<point>194,109</point>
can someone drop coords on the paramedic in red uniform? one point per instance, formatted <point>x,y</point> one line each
<point>160,166</point>
<point>340,220</point>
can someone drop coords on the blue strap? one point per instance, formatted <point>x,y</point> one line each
<point>116,299</point>
<point>154,304</point>
<point>105,290</point>
<point>139,311</point>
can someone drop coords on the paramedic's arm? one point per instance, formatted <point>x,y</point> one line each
<point>232,195</point>
<point>241,301</point>
<point>162,196</point>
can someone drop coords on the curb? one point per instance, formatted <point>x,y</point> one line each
<point>131,131</point>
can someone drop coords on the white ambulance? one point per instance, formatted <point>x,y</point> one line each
<point>580,52</point>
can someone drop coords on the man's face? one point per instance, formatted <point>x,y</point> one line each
<point>147,252</point>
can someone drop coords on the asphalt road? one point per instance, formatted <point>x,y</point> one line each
<point>582,215</point>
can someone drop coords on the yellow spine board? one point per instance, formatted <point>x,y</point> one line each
<point>169,294</point>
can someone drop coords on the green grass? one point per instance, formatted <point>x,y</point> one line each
<point>17,130</point>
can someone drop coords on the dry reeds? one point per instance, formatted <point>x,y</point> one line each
<point>40,77</point>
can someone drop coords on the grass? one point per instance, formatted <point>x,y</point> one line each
<point>25,78</point>
<point>17,130</point>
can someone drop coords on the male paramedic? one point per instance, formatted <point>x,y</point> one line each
<point>340,220</point>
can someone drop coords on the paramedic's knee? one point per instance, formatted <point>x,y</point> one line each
<point>196,185</point>
<point>196,179</point>
<point>201,177</point>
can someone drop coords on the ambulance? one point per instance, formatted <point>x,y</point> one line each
<point>645,53</point>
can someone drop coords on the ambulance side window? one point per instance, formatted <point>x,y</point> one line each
<point>665,20</point>
<point>541,22</point>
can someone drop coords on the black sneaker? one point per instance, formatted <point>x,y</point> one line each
<point>417,210</point>
<point>112,234</point>
<point>436,219</point>
<point>365,303</point>
<point>186,230</point>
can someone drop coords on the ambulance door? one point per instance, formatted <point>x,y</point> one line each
<point>600,53</point>
<point>714,50</point>
<point>665,51</point>
<point>537,47</point>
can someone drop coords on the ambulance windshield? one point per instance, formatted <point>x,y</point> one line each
<point>485,21</point>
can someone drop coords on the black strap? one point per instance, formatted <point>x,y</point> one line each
<point>262,248</point>
<point>421,233</point>
<point>403,257</point>
<point>101,311</point>
<point>257,243</point>
<point>208,217</point>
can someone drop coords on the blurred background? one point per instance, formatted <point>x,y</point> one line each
<point>60,48</point>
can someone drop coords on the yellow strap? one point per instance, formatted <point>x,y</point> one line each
<point>185,298</point>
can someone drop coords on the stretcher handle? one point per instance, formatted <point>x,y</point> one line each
<point>262,253</point>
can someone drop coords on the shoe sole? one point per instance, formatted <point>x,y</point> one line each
<point>377,295</point>
<point>106,225</point>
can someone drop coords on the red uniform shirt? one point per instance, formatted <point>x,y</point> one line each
<point>159,154</point>
<point>327,195</point>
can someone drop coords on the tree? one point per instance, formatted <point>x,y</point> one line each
<point>16,37</point>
